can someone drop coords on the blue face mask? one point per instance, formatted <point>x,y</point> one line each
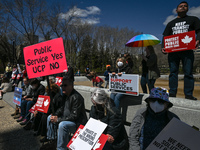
<point>156,106</point>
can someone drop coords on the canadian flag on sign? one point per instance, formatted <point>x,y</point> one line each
<point>59,80</point>
<point>100,142</point>
<point>42,103</point>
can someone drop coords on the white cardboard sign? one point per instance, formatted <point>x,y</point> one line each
<point>176,136</point>
<point>89,135</point>
<point>126,84</point>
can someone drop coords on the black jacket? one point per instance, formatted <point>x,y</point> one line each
<point>115,126</point>
<point>125,69</point>
<point>56,102</point>
<point>39,91</point>
<point>72,109</point>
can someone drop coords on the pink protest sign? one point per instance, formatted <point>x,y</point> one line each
<point>45,58</point>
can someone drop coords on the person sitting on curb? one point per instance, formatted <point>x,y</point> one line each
<point>103,111</point>
<point>37,89</point>
<point>96,80</point>
<point>6,86</point>
<point>150,121</point>
<point>27,91</point>
<point>67,118</point>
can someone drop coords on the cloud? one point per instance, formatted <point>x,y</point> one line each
<point>193,11</point>
<point>86,15</point>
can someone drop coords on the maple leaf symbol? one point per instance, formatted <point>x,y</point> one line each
<point>187,39</point>
<point>97,145</point>
<point>46,103</point>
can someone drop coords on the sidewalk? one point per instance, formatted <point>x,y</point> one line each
<point>12,134</point>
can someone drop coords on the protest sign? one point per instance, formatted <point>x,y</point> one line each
<point>180,42</point>
<point>17,96</point>
<point>176,136</point>
<point>88,137</point>
<point>42,103</point>
<point>32,109</point>
<point>99,144</point>
<point>45,58</point>
<point>59,80</point>
<point>126,83</point>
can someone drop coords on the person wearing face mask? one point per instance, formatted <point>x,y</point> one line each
<point>121,68</point>
<point>150,121</point>
<point>37,89</point>
<point>103,111</point>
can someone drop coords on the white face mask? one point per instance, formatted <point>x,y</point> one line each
<point>119,63</point>
<point>157,107</point>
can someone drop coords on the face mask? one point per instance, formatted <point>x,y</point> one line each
<point>120,64</point>
<point>156,107</point>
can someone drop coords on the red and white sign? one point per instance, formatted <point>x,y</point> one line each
<point>59,80</point>
<point>99,144</point>
<point>45,58</point>
<point>42,103</point>
<point>32,109</point>
<point>180,42</point>
<point>89,135</point>
<point>126,84</point>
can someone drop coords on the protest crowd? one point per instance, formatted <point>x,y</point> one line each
<point>66,109</point>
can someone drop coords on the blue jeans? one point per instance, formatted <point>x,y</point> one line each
<point>25,107</point>
<point>144,82</point>
<point>64,129</point>
<point>116,97</point>
<point>51,129</point>
<point>187,58</point>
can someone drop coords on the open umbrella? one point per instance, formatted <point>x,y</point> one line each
<point>143,40</point>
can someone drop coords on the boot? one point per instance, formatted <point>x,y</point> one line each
<point>16,111</point>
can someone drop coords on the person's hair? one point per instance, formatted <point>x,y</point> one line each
<point>181,3</point>
<point>5,80</point>
<point>67,78</point>
<point>99,96</point>
<point>14,66</point>
<point>54,88</point>
<point>34,81</point>
<point>123,60</point>
<point>151,49</point>
<point>93,73</point>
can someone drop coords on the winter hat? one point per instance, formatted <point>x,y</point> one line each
<point>99,96</point>
<point>161,94</point>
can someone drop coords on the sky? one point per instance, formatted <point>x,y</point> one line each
<point>146,16</point>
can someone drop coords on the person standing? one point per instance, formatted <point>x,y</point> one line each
<point>106,74</point>
<point>183,23</point>
<point>151,62</point>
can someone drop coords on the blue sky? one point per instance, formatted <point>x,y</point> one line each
<point>147,16</point>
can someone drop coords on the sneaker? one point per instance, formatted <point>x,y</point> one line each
<point>190,97</point>
<point>17,116</point>
<point>24,122</point>
<point>20,119</point>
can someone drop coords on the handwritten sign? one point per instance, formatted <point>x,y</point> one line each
<point>42,103</point>
<point>180,42</point>
<point>88,137</point>
<point>59,80</point>
<point>126,84</point>
<point>176,136</point>
<point>99,144</point>
<point>45,58</point>
<point>17,96</point>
